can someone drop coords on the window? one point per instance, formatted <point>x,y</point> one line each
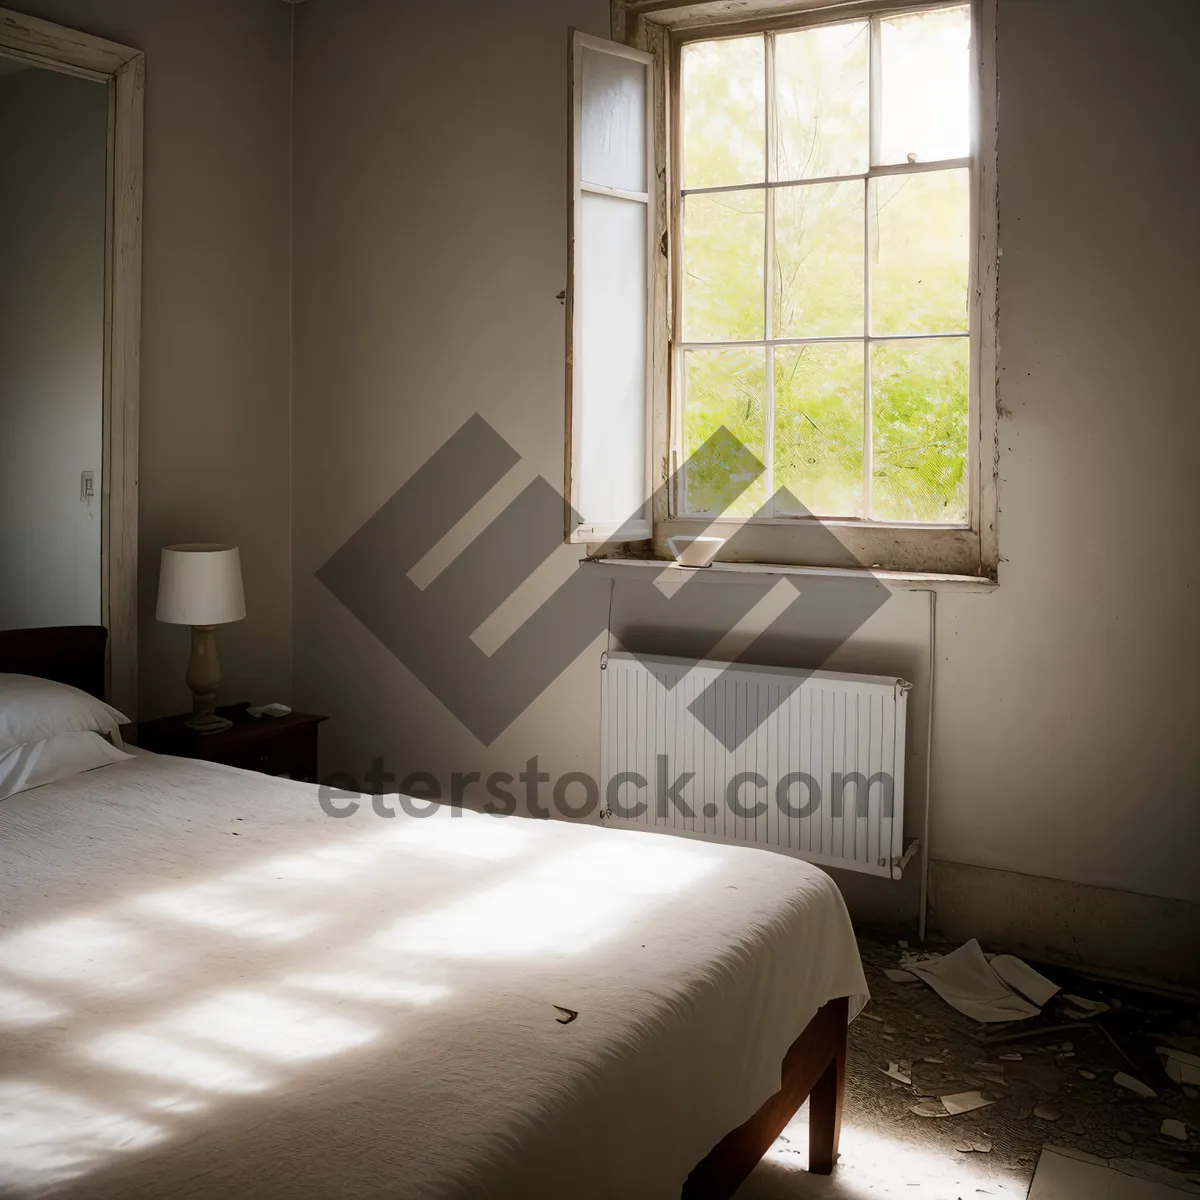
<point>823,288</point>
<point>608,301</point>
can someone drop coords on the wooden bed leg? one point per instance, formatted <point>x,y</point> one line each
<point>814,1067</point>
<point>825,1113</point>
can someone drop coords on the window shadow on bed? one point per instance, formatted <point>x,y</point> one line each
<point>246,994</point>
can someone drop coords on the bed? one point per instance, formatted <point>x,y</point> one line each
<point>208,987</point>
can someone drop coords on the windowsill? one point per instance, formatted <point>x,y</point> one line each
<point>912,581</point>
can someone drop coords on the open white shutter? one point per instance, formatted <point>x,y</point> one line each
<point>608,292</point>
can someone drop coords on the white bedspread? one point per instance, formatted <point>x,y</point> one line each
<point>209,988</point>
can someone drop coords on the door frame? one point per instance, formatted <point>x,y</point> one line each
<point>122,70</point>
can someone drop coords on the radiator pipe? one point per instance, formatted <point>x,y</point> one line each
<point>928,769</point>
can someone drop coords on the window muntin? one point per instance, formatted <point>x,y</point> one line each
<point>826,257</point>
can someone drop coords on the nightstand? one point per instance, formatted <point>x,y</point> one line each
<point>272,745</point>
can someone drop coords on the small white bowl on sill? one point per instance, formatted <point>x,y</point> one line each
<point>694,551</point>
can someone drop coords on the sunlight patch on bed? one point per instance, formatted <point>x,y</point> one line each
<point>183,1105</point>
<point>368,985</point>
<point>78,949</point>
<point>321,866</point>
<point>340,855</point>
<point>466,835</point>
<point>219,906</point>
<point>271,1027</point>
<point>163,1056</point>
<point>629,868</point>
<point>20,1008</point>
<point>551,908</point>
<point>48,1135</point>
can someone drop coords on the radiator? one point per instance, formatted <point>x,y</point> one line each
<point>806,763</point>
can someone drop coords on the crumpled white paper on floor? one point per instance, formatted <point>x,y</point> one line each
<point>986,991</point>
<point>1181,1066</point>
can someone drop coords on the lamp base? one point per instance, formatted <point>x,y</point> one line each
<point>204,681</point>
<point>207,722</point>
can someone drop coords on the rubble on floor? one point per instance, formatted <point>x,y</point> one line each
<point>1102,1070</point>
<point>1065,1174</point>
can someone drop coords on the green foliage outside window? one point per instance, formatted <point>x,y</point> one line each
<point>915,263</point>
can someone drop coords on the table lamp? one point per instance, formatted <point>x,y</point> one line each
<point>200,584</point>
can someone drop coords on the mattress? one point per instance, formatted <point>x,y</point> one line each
<point>210,988</point>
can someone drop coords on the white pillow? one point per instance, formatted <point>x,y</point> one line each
<point>32,709</point>
<point>51,759</point>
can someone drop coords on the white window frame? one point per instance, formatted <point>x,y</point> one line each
<point>661,28</point>
<point>635,526</point>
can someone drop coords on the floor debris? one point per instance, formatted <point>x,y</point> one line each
<point>1064,1173</point>
<point>1134,1085</point>
<point>1022,978</point>
<point>569,1014</point>
<point>929,1108</point>
<point>1026,1035</point>
<point>963,1102</point>
<point>1175,1129</point>
<point>1048,1061</point>
<point>1084,1007</point>
<point>1046,1114</point>
<point>1180,1066</point>
<point>982,1146</point>
<point>897,1072</point>
<point>897,976</point>
<point>980,990</point>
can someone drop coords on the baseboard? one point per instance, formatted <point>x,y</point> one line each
<point>1074,924</point>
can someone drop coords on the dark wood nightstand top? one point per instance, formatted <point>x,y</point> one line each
<point>274,745</point>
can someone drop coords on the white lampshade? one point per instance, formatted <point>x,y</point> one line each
<point>200,583</point>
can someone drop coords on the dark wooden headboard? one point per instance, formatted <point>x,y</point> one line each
<point>71,654</point>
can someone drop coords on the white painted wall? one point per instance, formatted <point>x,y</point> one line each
<point>431,244</point>
<point>1066,743</point>
<point>53,142</point>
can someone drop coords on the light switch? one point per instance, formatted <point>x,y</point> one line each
<point>87,486</point>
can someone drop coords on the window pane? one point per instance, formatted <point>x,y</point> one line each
<point>723,387</point>
<point>613,121</point>
<point>722,111</point>
<point>818,261</point>
<point>609,408</point>
<point>823,102</point>
<point>926,86</point>
<point>723,266</point>
<point>819,427</point>
<point>919,393</point>
<point>921,254</point>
